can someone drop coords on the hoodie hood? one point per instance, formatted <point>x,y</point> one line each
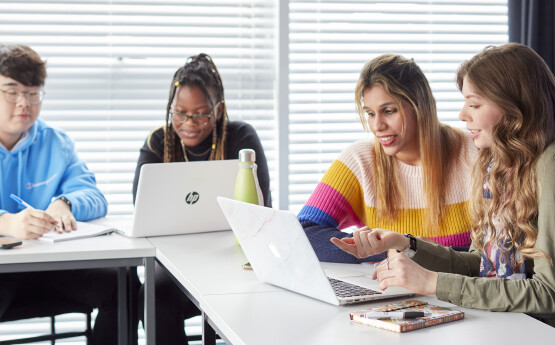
<point>45,165</point>
<point>18,155</point>
<point>32,134</point>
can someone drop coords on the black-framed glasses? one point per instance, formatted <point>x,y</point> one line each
<point>14,95</point>
<point>201,119</point>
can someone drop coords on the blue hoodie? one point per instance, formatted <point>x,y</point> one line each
<point>46,166</point>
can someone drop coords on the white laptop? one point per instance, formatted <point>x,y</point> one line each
<point>280,254</point>
<point>180,198</point>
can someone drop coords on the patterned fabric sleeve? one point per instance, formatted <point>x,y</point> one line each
<point>335,204</point>
<point>335,199</point>
<point>346,197</point>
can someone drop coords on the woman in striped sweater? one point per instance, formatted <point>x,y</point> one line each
<point>412,177</point>
<point>509,94</point>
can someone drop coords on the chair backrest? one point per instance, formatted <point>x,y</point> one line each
<point>33,308</point>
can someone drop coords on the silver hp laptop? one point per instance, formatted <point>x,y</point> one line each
<point>280,254</point>
<point>180,198</point>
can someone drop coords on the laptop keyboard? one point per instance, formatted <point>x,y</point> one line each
<point>344,289</point>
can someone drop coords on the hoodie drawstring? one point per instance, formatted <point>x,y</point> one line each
<point>19,171</point>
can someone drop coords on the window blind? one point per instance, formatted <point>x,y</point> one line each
<point>330,41</point>
<point>110,65</point>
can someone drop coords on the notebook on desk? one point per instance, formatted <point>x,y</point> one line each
<point>84,230</point>
<point>280,254</point>
<point>179,198</point>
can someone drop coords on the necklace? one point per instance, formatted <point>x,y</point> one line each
<point>198,155</point>
<point>202,154</point>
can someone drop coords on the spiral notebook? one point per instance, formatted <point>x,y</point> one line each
<point>438,315</point>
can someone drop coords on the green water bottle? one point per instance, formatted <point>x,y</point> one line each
<point>247,188</point>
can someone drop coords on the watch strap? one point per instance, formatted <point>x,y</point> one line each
<point>64,199</point>
<point>411,250</point>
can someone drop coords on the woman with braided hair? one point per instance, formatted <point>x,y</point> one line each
<point>196,129</point>
<point>197,126</point>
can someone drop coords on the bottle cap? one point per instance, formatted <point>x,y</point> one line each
<point>247,155</point>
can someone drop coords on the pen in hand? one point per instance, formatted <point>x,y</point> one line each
<point>21,201</point>
<point>396,314</point>
<point>26,205</point>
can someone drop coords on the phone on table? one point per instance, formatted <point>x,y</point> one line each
<point>7,243</point>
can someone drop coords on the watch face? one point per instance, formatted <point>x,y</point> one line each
<point>409,252</point>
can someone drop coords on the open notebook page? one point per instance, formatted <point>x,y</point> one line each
<point>83,230</point>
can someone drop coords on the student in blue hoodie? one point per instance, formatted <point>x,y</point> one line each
<point>39,164</point>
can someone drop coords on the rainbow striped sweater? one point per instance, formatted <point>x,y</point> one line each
<point>345,197</point>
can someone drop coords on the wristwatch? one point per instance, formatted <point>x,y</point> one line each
<point>64,199</point>
<point>411,250</point>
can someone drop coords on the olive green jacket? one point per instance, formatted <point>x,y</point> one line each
<point>458,279</point>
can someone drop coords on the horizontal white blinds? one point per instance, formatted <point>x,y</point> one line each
<point>331,40</point>
<point>110,64</point>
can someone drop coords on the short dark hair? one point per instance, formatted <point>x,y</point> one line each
<point>22,64</point>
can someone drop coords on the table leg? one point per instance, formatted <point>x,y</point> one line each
<point>123,321</point>
<point>208,333</point>
<point>133,302</point>
<point>149,317</point>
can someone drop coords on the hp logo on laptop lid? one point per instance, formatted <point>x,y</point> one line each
<point>192,198</point>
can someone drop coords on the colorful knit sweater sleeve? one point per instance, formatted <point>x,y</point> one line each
<point>345,197</point>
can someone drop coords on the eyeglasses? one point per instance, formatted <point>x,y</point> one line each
<point>201,119</point>
<point>14,95</point>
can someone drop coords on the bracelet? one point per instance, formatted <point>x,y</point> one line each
<point>64,199</point>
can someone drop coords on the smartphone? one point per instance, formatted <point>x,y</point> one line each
<point>7,243</point>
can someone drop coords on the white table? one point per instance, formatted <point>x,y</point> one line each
<point>96,252</point>
<point>205,264</point>
<point>275,318</point>
<point>244,310</point>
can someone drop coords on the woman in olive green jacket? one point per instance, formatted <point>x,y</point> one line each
<point>509,105</point>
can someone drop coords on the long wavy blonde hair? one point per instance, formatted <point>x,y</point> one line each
<point>403,80</point>
<point>518,81</point>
